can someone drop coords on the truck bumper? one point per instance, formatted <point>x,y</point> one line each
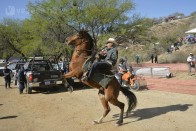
<point>46,83</point>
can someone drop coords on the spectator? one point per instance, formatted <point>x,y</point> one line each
<point>7,76</point>
<point>156,58</point>
<point>191,63</point>
<point>66,69</point>
<point>122,63</point>
<point>137,59</point>
<point>21,79</point>
<point>152,58</point>
<point>122,68</point>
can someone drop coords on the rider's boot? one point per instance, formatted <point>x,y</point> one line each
<point>84,77</point>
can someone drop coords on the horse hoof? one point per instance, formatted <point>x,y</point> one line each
<point>95,122</point>
<point>117,124</point>
<point>70,89</point>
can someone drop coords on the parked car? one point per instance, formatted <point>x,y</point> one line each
<point>2,64</point>
<point>15,67</point>
<point>40,73</point>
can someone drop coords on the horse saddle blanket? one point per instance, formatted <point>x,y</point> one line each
<point>87,64</point>
<point>102,79</point>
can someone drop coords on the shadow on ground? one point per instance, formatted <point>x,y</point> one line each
<point>8,117</point>
<point>147,113</point>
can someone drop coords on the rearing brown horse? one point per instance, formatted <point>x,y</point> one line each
<point>83,49</point>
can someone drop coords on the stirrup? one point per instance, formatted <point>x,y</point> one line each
<point>84,78</point>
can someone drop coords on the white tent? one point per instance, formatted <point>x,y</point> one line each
<point>193,31</point>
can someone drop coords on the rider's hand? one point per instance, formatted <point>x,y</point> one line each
<point>97,56</point>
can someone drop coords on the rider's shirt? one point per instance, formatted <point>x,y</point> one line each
<point>190,59</point>
<point>112,56</point>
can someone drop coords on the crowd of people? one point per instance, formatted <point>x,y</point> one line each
<point>189,39</point>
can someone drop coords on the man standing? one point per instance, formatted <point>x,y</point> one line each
<point>21,79</point>
<point>109,55</point>
<point>7,76</point>
<point>152,58</point>
<point>137,59</point>
<point>191,63</point>
<point>156,58</point>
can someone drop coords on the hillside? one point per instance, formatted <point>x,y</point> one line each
<point>165,34</point>
<point>178,26</point>
<point>178,56</point>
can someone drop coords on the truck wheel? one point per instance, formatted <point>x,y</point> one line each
<point>28,89</point>
<point>15,82</point>
<point>55,88</point>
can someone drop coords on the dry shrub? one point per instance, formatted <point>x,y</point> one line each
<point>175,57</point>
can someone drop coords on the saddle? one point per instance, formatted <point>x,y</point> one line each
<point>102,77</point>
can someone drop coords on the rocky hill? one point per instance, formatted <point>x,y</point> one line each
<point>178,26</point>
<point>172,29</point>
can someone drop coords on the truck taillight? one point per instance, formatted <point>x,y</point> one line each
<point>30,77</point>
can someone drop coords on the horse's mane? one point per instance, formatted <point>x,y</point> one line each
<point>85,34</point>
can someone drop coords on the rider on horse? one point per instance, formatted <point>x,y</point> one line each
<point>108,58</point>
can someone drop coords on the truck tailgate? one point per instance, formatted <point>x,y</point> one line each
<point>47,77</point>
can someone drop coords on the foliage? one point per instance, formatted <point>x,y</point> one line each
<point>10,38</point>
<point>53,21</point>
<point>135,31</point>
<point>174,57</point>
<point>61,17</point>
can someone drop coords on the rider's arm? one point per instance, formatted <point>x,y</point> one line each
<point>112,56</point>
<point>189,59</point>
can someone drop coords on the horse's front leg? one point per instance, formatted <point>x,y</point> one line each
<point>68,76</point>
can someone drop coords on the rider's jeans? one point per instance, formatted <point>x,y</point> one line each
<point>99,66</point>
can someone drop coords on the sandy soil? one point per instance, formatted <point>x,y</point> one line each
<point>165,104</point>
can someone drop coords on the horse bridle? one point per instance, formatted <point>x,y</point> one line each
<point>83,50</point>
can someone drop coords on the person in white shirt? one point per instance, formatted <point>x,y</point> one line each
<point>191,62</point>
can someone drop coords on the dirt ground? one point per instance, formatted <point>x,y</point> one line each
<point>165,104</point>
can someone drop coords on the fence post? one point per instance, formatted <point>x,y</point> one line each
<point>151,72</point>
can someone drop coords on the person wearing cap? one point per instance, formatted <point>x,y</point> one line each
<point>191,62</point>
<point>109,58</point>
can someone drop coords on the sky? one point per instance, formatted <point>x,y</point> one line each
<point>162,8</point>
<point>146,8</point>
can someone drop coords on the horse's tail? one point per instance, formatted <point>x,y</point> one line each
<point>131,98</point>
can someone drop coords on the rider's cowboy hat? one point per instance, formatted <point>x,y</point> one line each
<point>191,54</point>
<point>111,40</point>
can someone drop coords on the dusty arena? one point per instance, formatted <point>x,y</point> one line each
<point>165,104</point>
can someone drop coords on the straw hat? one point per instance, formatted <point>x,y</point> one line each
<point>111,40</point>
<point>191,54</point>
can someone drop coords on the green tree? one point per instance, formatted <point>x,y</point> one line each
<point>11,37</point>
<point>58,19</point>
<point>135,31</point>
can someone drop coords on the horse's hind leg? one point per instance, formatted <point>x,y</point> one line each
<point>105,106</point>
<point>121,105</point>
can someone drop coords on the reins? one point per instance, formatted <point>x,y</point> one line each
<point>79,51</point>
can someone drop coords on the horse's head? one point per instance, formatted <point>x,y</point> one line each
<point>80,38</point>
